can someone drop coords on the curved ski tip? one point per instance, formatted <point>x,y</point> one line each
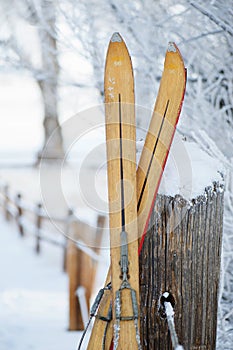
<point>171,47</point>
<point>116,38</point>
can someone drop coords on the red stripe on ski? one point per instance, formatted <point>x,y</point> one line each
<point>163,167</point>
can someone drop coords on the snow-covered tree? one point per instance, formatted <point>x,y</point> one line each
<point>203,32</point>
<point>36,19</point>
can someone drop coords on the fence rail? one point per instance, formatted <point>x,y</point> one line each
<point>16,208</point>
<point>31,219</point>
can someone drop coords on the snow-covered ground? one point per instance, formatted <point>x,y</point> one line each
<point>33,296</point>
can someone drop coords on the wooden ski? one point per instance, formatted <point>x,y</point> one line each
<point>152,162</point>
<point>160,135</point>
<point>121,165</point>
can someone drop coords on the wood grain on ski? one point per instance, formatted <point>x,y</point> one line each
<point>152,162</point>
<point>121,159</point>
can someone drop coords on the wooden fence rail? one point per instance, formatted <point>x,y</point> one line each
<point>16,208</point>
<point>81,259</point>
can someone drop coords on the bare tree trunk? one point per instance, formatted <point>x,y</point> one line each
<point>181,255</point>
<point>53,145</point>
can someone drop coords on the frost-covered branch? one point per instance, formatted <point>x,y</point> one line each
<point>212,17</point>
<point>202,35</point>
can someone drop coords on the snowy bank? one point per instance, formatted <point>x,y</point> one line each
<point>33,296</point>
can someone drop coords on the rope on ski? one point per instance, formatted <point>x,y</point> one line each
<point>169,311</point>
<point>93,313</point>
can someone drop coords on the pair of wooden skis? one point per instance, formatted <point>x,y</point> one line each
<point>131,192</point>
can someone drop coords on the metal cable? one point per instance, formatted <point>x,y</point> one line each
<point>169,311</point>
<point>93,312</point>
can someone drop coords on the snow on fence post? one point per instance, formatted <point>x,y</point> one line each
<point>18,203</point>
<point>38,226</point>
<point>181,255</point>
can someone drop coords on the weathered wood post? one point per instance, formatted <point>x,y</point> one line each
<point>38,226</point>
<point>18,202</point>
<point>181,255</point>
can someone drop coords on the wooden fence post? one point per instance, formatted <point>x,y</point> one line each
<point>99,232</point>
<point>101,219</point>
<point>18,201</point>
<point>66,237</point>
<point>6,201</point>
<point>81,271</point>
<point>74,266</point>
<point>38,226</point>
<point>181,255</point>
